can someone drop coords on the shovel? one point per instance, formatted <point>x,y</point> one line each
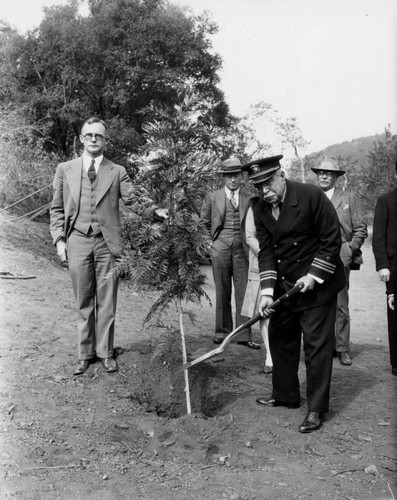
<point>240,329</point>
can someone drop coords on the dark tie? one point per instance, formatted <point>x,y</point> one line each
<point>233,200</point>
<point>91,172</point>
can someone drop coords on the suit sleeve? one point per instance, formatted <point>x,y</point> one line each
<point>205,215</point>
<point>137,200</point>
<point>57,210</point>
<point>359,227</point>
<point>380,234</point>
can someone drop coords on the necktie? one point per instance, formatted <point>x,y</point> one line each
<point>91,172</point>
<point>233,200</point>
<point>276,207</point>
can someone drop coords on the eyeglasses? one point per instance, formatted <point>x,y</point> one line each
<point>325,173</point>
<point>90,136</point>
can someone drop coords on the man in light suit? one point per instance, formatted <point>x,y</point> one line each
<point>384,245</point>
<point>353,232</point>
<point>299,242</point>
<point>85,227</point>
<point>223,214</point>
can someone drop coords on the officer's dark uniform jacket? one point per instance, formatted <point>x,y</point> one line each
<point>304,240</point>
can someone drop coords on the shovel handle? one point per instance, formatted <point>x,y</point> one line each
<point>241,328</point>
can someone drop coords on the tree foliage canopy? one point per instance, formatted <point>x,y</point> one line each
<point>175,167</point>
<point>113,63</point>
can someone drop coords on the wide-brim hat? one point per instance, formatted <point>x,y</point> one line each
<point>263,169</point>
<point>329,164</point>
<point>230,166</point>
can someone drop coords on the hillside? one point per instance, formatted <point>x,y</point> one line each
<point>356,149</point>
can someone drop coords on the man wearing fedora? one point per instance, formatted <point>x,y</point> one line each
<point>223,214</point>
<point>299,242</point>
<point>353,232</point>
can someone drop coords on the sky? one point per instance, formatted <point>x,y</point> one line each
<point>331,64</point>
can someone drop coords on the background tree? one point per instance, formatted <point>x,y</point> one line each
<point>119,62</point>
<point>379,178</point>
<point>113,63</point>
<point>291,136</point>
<point>266,132</point>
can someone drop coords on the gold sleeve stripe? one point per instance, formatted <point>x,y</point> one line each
<point>324,265</point>
<point>266,275</point>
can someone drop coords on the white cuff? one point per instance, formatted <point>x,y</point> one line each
<point>316,278</point>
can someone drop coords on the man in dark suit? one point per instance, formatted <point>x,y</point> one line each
<point>299,237</point>
<point>353,232</point>
<point>384,245</point>
<point>85,227</point>
<point>223,214</point>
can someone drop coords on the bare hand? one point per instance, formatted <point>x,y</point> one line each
<point>384,274</point>
<point>390,301</point>
<point>61,250</point>
<point>162,213</point>
<point>266,300</point>
<point>308,283</point>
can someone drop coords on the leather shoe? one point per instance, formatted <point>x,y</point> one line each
<point>273,402</point>
<point>250,344</point>
<point>81,367</point>
<point>110,364</point>
<point>218,341</point>
<point>394,370</point>
<point>311,423</point>
<point>344,358</point>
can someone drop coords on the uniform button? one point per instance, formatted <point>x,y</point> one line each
<point>279,260</point>
<point>295,243</point>
<point>275,246</point>
<point>283,277</point>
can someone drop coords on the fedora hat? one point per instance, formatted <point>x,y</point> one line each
<point>329,164</point>
<point>263,169</point>
<point>230,166</point>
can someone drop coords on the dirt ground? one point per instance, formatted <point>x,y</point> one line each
<point>126,435</point>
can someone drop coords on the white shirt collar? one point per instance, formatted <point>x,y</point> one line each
<point>87,162</point>
<point>330,193</point>
<point>228,191</point>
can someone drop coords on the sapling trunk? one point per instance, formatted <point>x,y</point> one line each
<point>184,357</point>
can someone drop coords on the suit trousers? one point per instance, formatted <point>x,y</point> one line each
<point>95,289</point>
<point>342,323</point>
<point>392,330</point>
<point>229,264</point>
<point>286,328</point>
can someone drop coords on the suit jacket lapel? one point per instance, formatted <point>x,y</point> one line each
<point>106,175</point>
<point>337,198</point>
<point>73,177</point>
<point>221,202</point>
<point>288,213</point>
<point>242,206</point>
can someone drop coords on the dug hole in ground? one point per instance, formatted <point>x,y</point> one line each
<point>126,435</point>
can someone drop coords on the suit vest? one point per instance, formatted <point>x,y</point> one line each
<point>231,227</point>
<point>87,217</point>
